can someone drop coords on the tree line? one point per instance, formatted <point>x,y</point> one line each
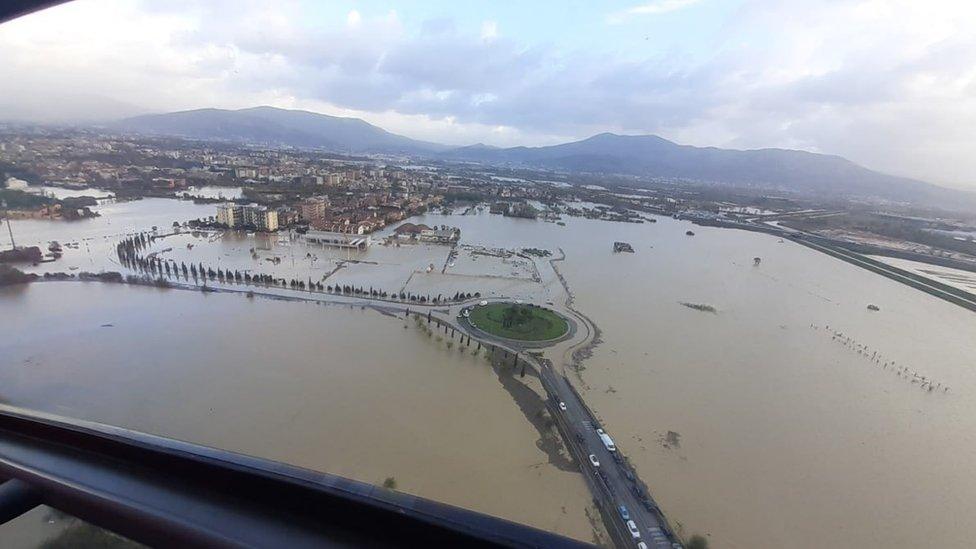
<point>129,252</point>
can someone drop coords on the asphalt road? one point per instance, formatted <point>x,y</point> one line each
<point>613,483</point>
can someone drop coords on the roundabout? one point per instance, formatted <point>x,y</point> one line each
<point>527,324</point>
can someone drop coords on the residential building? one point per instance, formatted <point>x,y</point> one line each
<point>230,214</point>
<point>314,209</point>
<point>260,217</point>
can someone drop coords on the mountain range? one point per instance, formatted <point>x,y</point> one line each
<point>273,126</point>
<point>638,155</point>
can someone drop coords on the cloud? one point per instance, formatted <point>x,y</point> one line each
<point>652,8</point>
<point>888,83</point>
<point>489,30</point>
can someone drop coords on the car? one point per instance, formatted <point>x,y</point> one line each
<point>599,431</point>
<point>634,532</point>
<point>562,406</point>
<point>594,461</point>
<point>641,545</point>
<point>482,303</point>
<point>624,513</point>
<point>579,437</point>
<point>465,313</point>
<point>518,301</point>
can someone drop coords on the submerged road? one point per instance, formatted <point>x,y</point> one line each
<point>622,498</point>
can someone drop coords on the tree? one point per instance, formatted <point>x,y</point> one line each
<point>390,483</point>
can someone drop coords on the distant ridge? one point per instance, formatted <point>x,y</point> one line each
<point>653,156</point>
<point>605,153</point>
<point>273,126</point>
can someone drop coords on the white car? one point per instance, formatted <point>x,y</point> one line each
<point>641,545</point>
<point>634,532</point>
<point>482,303</point>
<point>562,406</point>
<point>599,431</point>
<point>594,461</point>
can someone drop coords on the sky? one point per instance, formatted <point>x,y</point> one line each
<point>890,84</point>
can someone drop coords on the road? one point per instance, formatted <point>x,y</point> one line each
<point>613,483</point>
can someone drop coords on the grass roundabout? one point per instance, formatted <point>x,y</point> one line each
<point>516,321</point>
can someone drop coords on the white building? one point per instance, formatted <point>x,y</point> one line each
<point>259,217</point>
<point>339,240</point>
<point>230,214</point>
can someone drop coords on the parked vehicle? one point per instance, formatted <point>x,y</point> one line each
<point>594,461</point>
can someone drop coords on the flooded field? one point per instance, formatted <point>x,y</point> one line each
<point>211,191</point>
<point>64,192</point>
<point>785,435</point>
<point>782,433</point>
<point>97,236</point>
<point>958,278</point>
<point>338,389</point>
<point>790,416</point>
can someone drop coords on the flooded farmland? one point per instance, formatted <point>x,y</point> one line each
<point>791,416</point>
<point>344,390</point>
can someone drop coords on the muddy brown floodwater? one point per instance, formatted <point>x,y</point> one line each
<point>338,389</point>
<point>791,416</point>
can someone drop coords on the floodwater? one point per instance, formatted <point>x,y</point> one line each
<point>345,390</point>
<point>64,192</point>
<point>783,433</point>
<point>102,233</point>
<point>211,191</point>
<point>958,278</point>
<point>787,436</point>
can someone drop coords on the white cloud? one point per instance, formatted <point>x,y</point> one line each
<point>353,19</point>
<point>489,30</point>
<point>887,83</point>
<point>652,8</point>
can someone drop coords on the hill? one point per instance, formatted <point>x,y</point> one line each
<point>653,156</point>
<point>273,126</point>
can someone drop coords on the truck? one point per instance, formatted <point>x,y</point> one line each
<point>608,442</point>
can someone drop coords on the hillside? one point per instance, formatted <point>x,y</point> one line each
<point>273,126</point>
<point>649,155</point>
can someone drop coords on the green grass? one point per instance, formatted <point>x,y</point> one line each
<point>528,323</point>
